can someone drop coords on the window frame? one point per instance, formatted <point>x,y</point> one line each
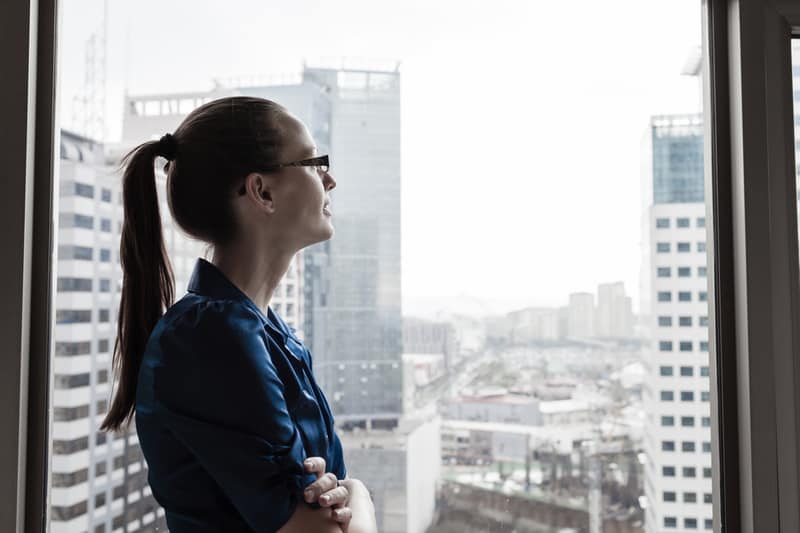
<point>751,201</point>
<point>28,156</point>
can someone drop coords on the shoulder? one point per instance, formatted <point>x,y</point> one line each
<point>197,316</point>
<point>215,366</point>
<point>230,313</point>
<point>199,331</point>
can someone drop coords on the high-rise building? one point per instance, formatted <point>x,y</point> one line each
<point>678,482</point>
<point>357,329</point>
<point>614,316</point>
<point>580,315</point>
<point>402,469</point>
<point>430,337</point>
<point>98,481</point>
<point>677,399</point>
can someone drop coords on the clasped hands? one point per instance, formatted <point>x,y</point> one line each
<point>345,505</point>
<point>327,491</point>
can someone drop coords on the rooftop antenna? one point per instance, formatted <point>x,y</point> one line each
<point>89,105</point>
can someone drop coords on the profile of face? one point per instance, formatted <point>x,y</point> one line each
<point>291,205</point>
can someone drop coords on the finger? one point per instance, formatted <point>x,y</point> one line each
<point>316,465</point>
<point>342,515</point>
<point>320,486</point>
<point>338,495</point>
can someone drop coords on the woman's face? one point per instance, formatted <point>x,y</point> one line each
<point>302,207</point>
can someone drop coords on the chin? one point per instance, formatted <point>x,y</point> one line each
<point>324,234</point>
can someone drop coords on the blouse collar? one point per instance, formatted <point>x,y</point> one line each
<point>208,280</point>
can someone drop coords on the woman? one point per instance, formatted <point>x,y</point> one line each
<point>236,433</point>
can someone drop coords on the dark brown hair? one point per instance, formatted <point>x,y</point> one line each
<point>211,152</point>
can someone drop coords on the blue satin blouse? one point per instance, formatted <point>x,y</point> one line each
<point>227,409</point>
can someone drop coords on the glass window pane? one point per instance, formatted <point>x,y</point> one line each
<point>532,304</point>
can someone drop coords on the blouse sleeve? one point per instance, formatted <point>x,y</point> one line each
<point>220,395</point>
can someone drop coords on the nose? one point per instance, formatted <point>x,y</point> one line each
<point>328,181</point>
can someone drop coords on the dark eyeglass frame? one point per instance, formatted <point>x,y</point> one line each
<point>319,161</point>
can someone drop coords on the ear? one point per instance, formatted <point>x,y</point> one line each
<point>259,189</point>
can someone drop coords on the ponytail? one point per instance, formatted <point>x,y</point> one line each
<point>148,285</point>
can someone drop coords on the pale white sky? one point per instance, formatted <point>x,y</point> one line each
<point>522,121</point>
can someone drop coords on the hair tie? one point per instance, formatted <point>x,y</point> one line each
<point>167,147</point>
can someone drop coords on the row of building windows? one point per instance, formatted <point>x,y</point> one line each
<point>71,348</point>
<point>684,321</point>
<point>68,414</point>
<point>82,285</point>
<point>680,222</point>
<point>687,446</point>
<point>685,371</point>
<point>75,220</point>
<point>59,513</point>
<point>86,191</point>
<point>685,396</point>
<point>682,272</point>
<point>686,421</point>
<point>80,316</point>
<point>66,447</point>
<point>69,252</point>
<point>686,471</point>
<point>688,523</point>
<point>683,346</point>
<point>69,479</point>
<point>683,296</point>
<point>682,247</point>
<point>688,497</point>
<point>72,381</point>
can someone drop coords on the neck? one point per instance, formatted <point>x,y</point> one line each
<point>256,271</point>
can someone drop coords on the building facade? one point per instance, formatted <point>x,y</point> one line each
<point>678,483</point>
<point>356,310</point>
<point>580,315</point>
<point>98,480</point>
<point>614,315</point>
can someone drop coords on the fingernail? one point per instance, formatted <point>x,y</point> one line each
<point>325,499</point>
<point>309,495</point>
<point>309,464</point>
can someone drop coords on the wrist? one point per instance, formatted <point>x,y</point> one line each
<point>355,486</point>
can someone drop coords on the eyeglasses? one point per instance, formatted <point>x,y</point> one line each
<point>321,163</point>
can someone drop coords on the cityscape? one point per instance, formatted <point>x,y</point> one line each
<point>586,417</point>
